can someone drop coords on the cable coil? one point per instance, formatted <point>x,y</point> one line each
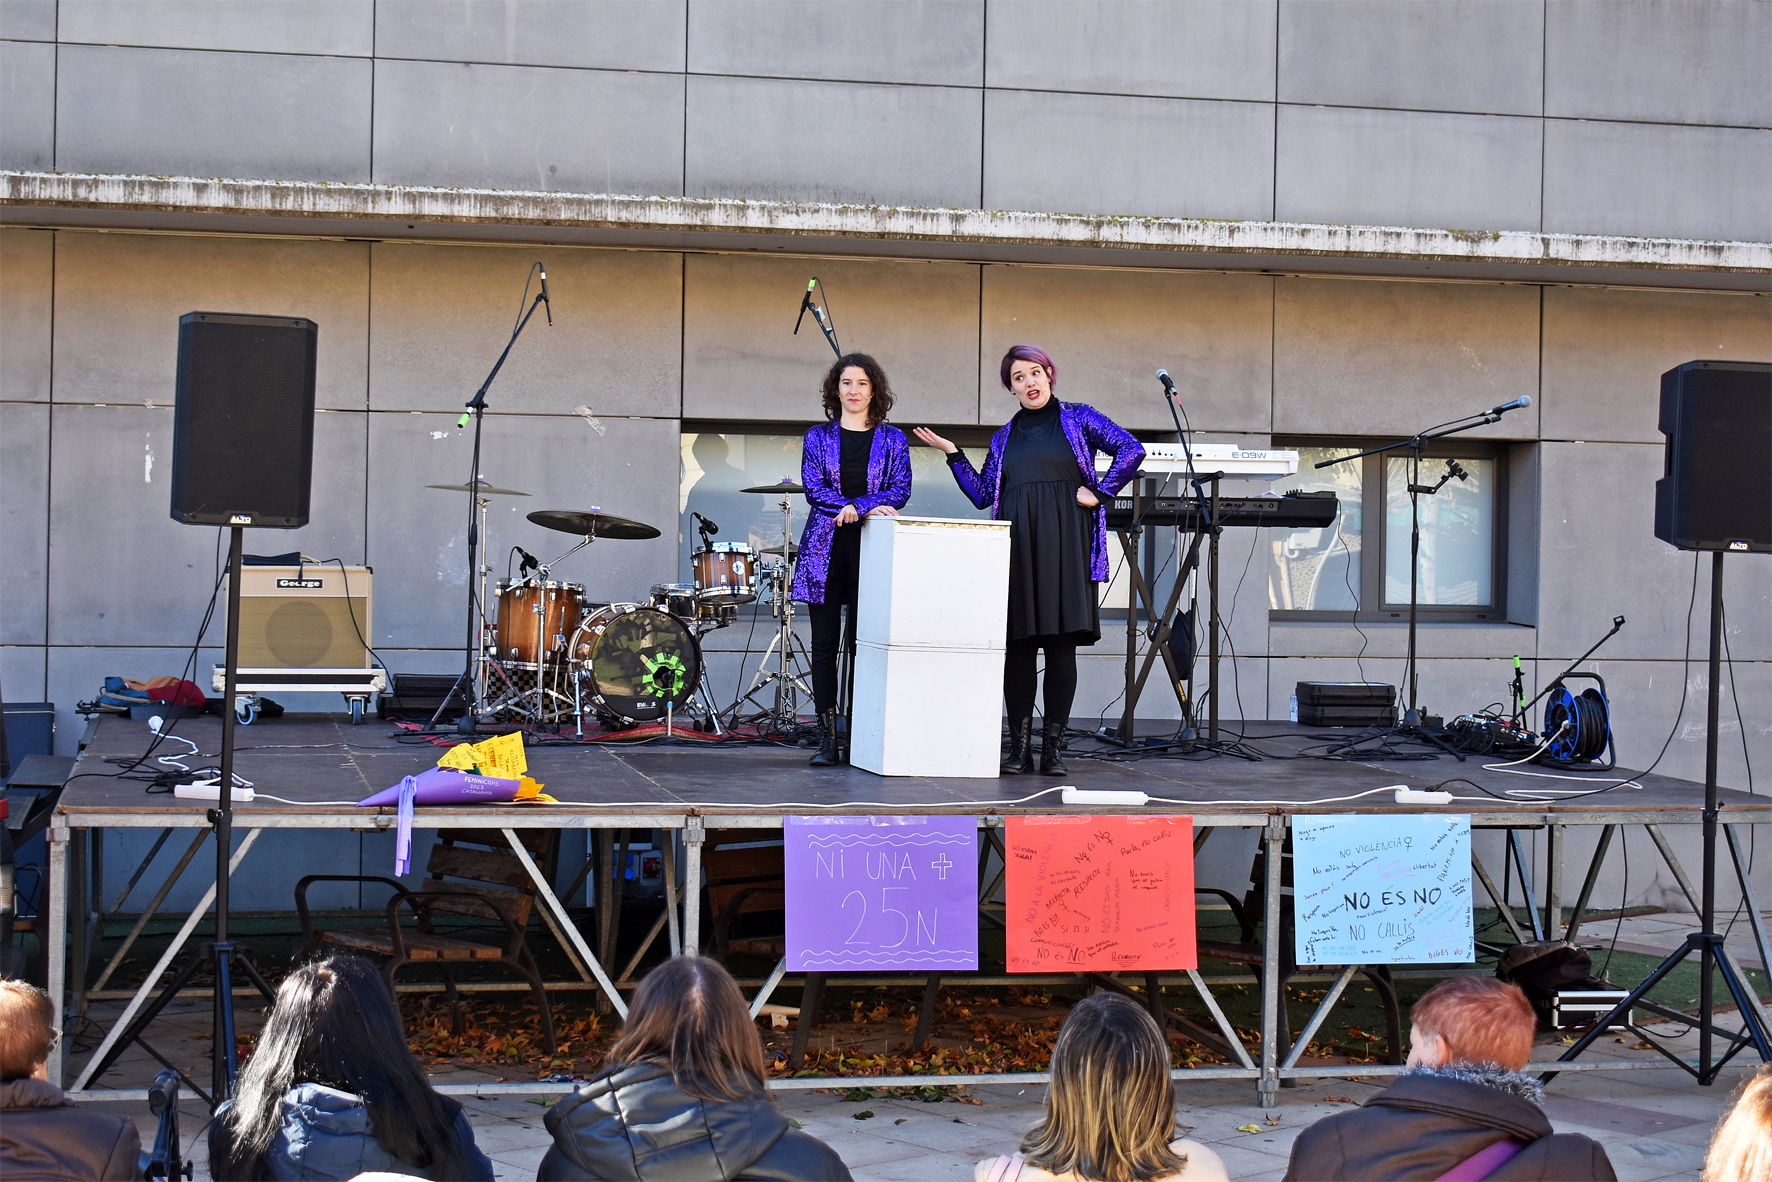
<point>1588,731</point>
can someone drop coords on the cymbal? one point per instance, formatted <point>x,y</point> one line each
<point>793,551</point>
<point>590,524</point>
<point>484,489</point>
<point>786,486</point>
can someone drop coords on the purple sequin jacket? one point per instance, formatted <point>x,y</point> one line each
<point>821,471</point>
<point>1089,431</point>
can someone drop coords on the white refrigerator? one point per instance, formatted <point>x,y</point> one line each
<point>931,613</point>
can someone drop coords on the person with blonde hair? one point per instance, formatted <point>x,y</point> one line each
<point>1741,1150</point>
<point>683,1095</point>
<point>1463,1110</point>
<point>42,1134</point>
<point>1110,1109</point>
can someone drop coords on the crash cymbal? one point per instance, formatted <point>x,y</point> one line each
<point>590,524</point>
<point>482,489</point>
<point>793,550</point>
<point>786,486</point>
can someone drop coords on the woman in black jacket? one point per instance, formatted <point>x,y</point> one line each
<point>683,1095</point>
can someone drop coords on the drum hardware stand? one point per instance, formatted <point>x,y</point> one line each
<point>786,678</point>
<point>1410,725</point>
<point>476,406</point>
<point>1713,955</point>
<point>220,954</point>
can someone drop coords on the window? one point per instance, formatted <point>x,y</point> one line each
<point>1349,567</point>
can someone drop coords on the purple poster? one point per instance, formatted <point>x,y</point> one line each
<point>882,893</point>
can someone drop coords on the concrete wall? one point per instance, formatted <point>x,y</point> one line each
<point>1650,118</point>
<point>1640,119</point>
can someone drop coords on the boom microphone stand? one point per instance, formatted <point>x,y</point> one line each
<point>1410,725</point>
<point>466,684</point>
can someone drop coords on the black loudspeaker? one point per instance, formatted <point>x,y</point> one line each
<point>1717,491</point>
<point>243,430</point>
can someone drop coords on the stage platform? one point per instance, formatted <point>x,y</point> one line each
<point>321,765</point>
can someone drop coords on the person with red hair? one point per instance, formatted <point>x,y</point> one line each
<point>1462,1112</point>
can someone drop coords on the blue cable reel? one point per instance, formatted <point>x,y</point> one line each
<point>1588,736</point>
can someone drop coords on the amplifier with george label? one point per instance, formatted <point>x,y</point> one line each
<point>305,617</point>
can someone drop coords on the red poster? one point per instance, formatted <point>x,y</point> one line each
<point>1100,894</point>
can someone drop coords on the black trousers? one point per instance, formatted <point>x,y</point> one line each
<point>1021,671</point>
<point>829,637</point>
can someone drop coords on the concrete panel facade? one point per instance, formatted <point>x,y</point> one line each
<point>1461,55</point>
<point>417,539</point>
<point>1605,352</point>
<point>27,20</point>
<point>742,361</point>
<point>27,279</point>
<point>1660,61</point>
<point>1448,350</point>
<point>336,28</point>
<point>924,42</point>
<point>1659,180</point>
<point>24,522</point>
<point>27,95</point>
<point>833,141</point>
<point>23,673</point>
<point>190,113</point>
<point>1215,49</point>
<point>443,314</point>
<point>1108,333</point>
<point>524,127</point>
<point>1406,168</point>
<point>608,35</point>
<point>1147,156</point>
<point>119,297</point>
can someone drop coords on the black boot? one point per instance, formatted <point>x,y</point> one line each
<point>1020,760</point>
<point>1051,749</point>
<point>827,740</point>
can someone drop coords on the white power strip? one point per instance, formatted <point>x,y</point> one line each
<point>209,790</point>
<point>1116,797</point>
<point>1422,796</point>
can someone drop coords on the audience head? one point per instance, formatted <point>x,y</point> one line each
<point>27,1030</point>
<point>1472,1020</point>
<point>1741,1151</point>
<point>688,1014</point>
<point>1110,1110</point>
<point>335,1024</point>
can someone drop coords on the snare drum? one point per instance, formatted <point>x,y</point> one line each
<point>676,598</point>
<point>727,573</point>
<point>536,621</point>
<point>636,662</point>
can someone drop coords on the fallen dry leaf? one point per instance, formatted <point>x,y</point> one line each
<point>1248,1128</point>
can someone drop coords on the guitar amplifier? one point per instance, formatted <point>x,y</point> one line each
<point>305,617</point>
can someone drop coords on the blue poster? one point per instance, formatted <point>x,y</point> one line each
<point>1383,889</point>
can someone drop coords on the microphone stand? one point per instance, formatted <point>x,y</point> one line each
<point>1410,724</point>
<point>466,683</point>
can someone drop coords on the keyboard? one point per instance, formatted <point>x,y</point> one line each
<point>1300,511</point>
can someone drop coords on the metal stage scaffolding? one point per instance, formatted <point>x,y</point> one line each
<point>685,790</point>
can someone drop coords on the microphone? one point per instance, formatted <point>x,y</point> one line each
<point>707,527</point>
<point>805,303</point>
<point>1519,403</point>
<point>529,562</point>
<point>1168,382</point>
<point>544,292</point>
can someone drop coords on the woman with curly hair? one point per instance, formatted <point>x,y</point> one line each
<point>854,465</point>
<point>1040,477</point>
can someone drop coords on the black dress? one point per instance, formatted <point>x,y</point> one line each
<point>1051,593</point>
<point>845,568</point>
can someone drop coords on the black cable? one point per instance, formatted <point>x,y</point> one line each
<point>355,627</point>
<point>1623,902</point>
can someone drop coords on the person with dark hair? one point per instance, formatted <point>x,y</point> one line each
<point>1463,1104</point>
<point>854,465</point>
<point>1039,475</point>
<point>1110,1109</point>
<point>42,1134</point>
<point>332,1091</point>
<point>682,1095</point>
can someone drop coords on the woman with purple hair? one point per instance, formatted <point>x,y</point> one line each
<point>1040,477</point>
<point>853,465</point>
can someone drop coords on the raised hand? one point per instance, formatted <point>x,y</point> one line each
<point>945,446</point>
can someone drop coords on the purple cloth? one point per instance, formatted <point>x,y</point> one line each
<point>821,471</point>
<point>1089,431</point>
<point>1484,1162</point>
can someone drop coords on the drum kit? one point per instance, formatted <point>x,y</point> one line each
<point>550,655</point>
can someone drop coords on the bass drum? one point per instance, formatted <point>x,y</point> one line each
<point>635,661</point>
